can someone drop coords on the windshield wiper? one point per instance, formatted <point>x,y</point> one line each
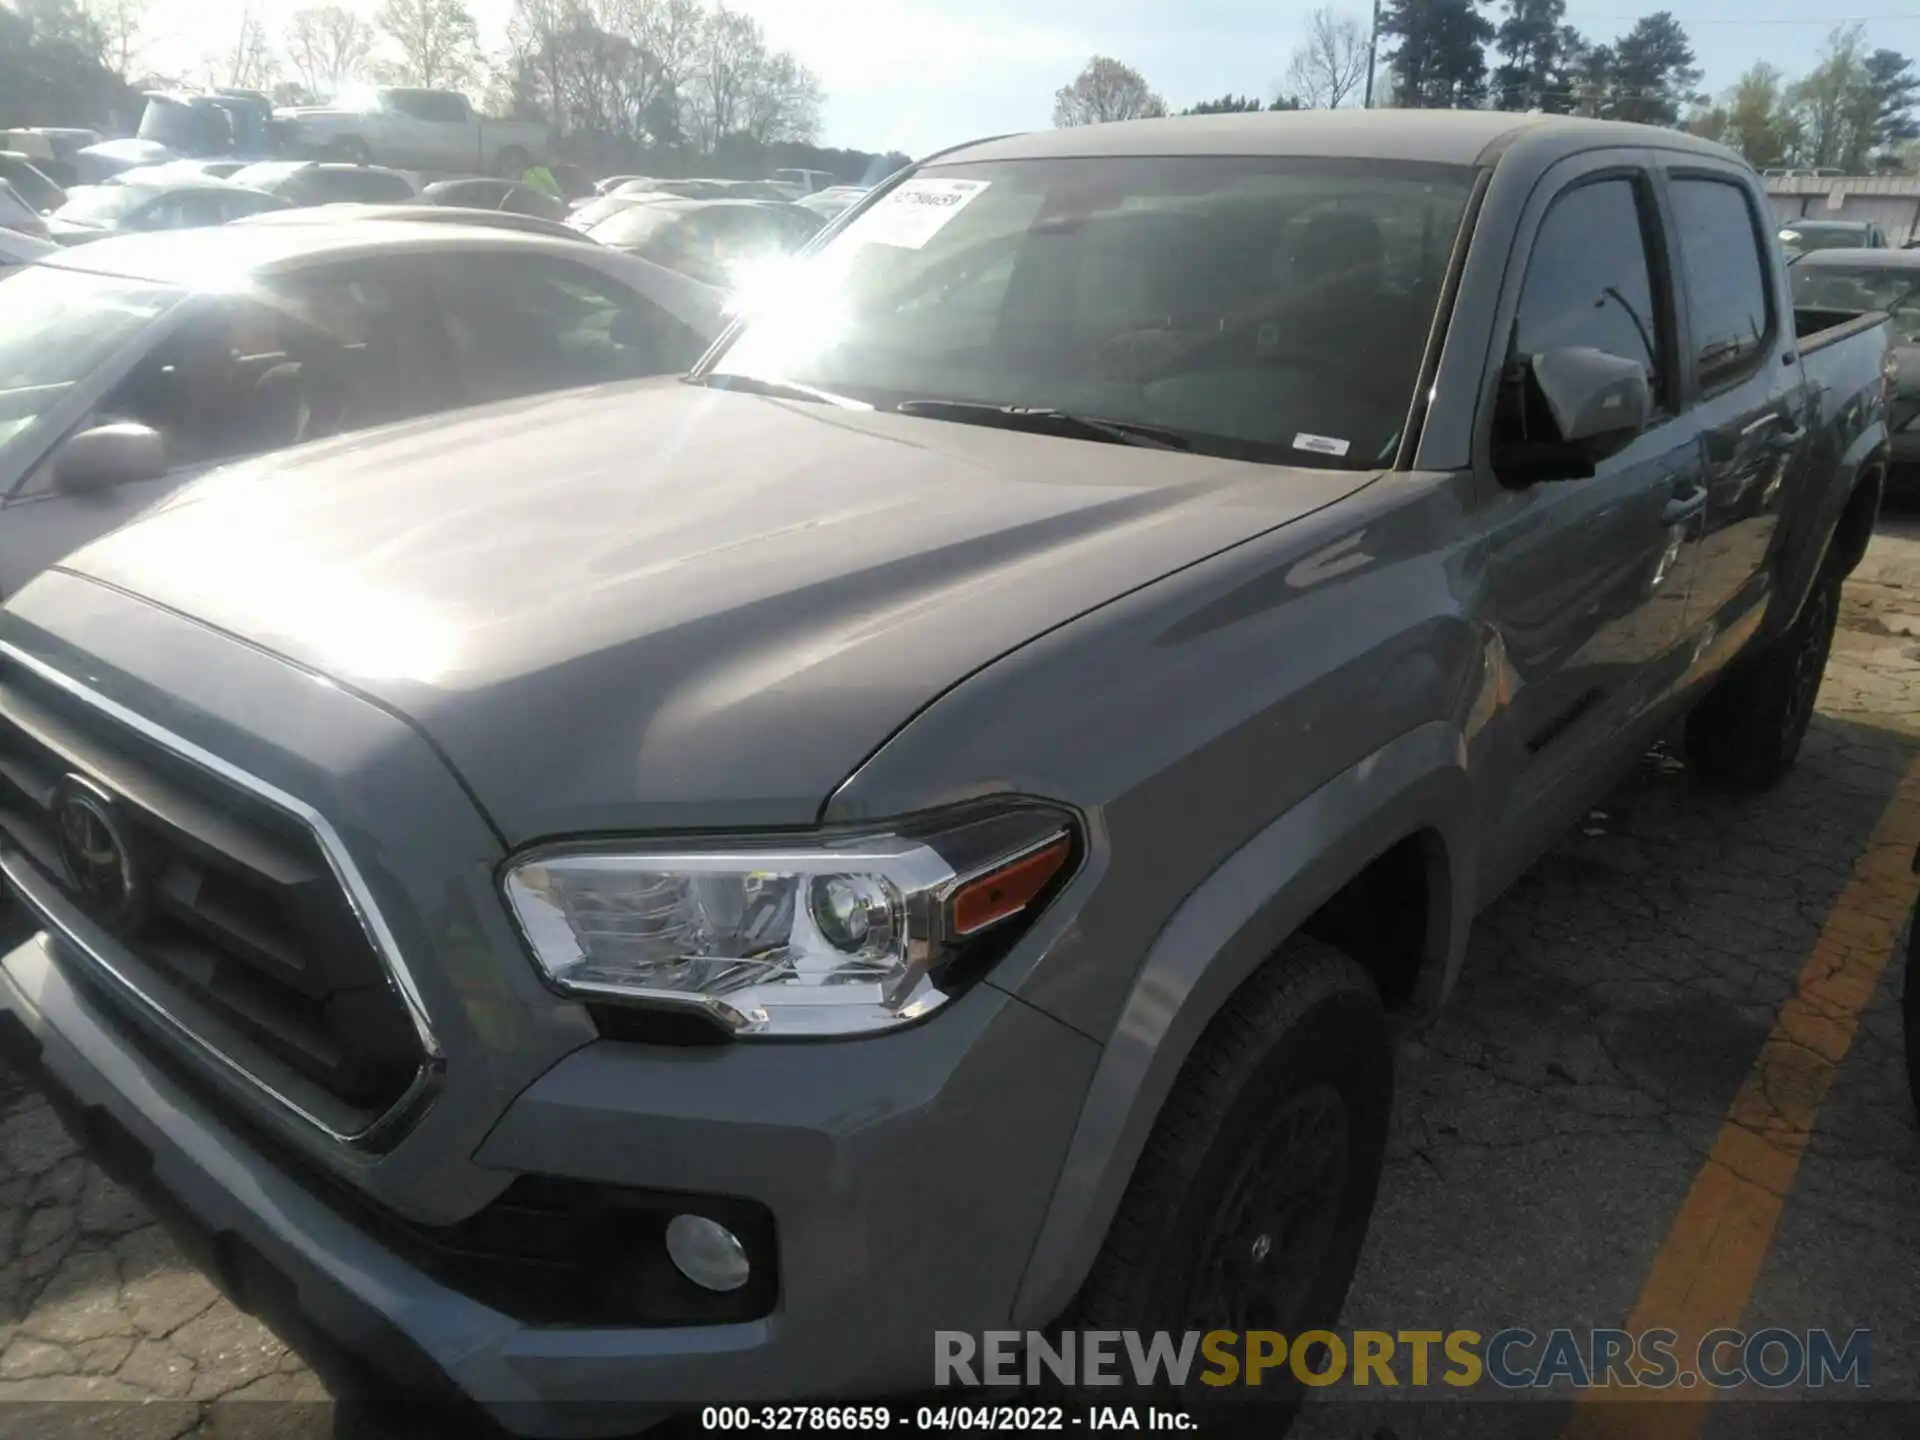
<point>779,389</point>
<point>1043,421</point>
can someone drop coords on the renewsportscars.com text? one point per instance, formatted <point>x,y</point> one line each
<point>1515,1358</point>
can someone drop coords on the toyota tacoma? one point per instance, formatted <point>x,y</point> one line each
<point>672,892</point>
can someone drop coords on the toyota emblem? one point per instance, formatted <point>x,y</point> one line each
<point>97,847</point>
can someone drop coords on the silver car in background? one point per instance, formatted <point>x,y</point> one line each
<point>130,366</point>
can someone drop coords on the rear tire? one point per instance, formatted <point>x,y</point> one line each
<point>1746,734</point>
<point>350,150</point>
<point>1250,1203</point>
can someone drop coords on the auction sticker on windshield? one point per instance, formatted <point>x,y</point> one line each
<point>914,213</point>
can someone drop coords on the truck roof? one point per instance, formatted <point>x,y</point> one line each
<point>1455,137</point>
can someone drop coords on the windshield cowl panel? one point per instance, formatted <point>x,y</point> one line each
<point>1269,308</point>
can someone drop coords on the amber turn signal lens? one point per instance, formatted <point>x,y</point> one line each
<point>1008,890</point>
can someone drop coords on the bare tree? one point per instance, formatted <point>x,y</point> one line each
<point>659,71</point>
<point>251,65</point>
<point>328,45</point>
<point>1105,90</point>
<point>121,25</point>
<point>783,102</point>
<point>732,52</point>
<point>438,41</point>
<point>1330,65</point>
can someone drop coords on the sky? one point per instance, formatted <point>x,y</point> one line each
<point>918,75</point>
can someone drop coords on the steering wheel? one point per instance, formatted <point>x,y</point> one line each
<point>1147,355</point>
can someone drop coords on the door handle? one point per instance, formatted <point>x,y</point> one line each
<point>1682,508</point>
<point>1787,439</point>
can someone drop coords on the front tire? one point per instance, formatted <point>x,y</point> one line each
<point>1251,1201</point>
<point>1746,733</point>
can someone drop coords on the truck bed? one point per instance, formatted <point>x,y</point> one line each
<point>1815,328</point>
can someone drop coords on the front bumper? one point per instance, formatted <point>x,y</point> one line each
<point>907,1176</point>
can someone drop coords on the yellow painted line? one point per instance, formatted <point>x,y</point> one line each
<point>1707,1266</point>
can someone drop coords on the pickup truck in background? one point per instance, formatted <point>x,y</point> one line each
<point>1077,657</point>
<point>412,129</point>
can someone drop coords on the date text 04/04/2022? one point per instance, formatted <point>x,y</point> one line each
<point>760,1419</point>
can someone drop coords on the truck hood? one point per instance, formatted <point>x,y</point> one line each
<point>655,606</point>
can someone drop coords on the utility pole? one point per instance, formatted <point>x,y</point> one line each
<point>1373,49</point>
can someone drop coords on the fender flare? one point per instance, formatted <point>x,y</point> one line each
<point>1221,933</point>
<point>1864,462</point>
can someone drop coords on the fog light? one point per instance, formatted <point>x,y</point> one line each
<point>707,1253</point>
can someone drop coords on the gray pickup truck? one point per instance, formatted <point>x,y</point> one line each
<point>412,129</point>
<point>674,892</point>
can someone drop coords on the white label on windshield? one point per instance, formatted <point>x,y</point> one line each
<point>914,213</point>
<point>1320,444</point>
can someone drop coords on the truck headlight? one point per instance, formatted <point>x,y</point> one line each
<point>835,935</point>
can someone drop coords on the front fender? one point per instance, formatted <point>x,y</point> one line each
<point>1231,924</point>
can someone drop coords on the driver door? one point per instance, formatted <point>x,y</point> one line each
<point>1584,589</point>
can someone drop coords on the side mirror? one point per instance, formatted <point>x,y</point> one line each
<point>1580,406</point>
<point>107,456</point>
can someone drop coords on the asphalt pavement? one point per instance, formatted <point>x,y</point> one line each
<point>1573,1143</point>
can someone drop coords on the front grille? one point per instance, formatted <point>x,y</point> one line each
<point>245,926</point>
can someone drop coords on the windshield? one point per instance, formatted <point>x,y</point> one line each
<point>1895,291</point>
<point>56,326</point>
<point>1268,308</point>
<point>103,204</point>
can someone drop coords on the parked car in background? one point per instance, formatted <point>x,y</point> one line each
<point>413,129</point>
<point>19,248</point>
<point>803,182</point>
<point>318,182</point>
<point>828,204</point>
<point>95,211</point>
<point>589,213</point>
<point>30,182</point>
<point>1802,237</point>
<point>219,123</point>
<point>711,240</point>
<point>707,189</point>
<point>485,194</point>
<point>422,214</point>
<point>96,164</point>
<point>182,169</point>
<point>1880,282</point>
<point>179,352</point>
<point>19,218</point>
<point>52,148</point>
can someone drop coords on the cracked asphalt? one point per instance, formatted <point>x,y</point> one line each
<point>1548,1128</point>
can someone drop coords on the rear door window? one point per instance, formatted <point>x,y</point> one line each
<point>1727,290</point>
